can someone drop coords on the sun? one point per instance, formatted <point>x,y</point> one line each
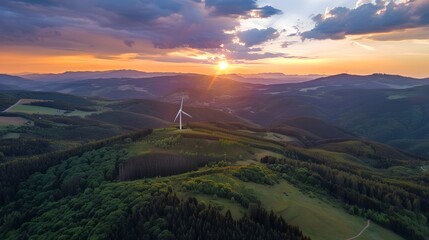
<point>223,65</point>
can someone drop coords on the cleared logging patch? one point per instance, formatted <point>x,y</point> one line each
<point>161,164</point>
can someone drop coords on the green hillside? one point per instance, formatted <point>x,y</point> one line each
<point>393,116</point>
<point>303,174</point>
<point>129,119</point>
<point>220,168</point>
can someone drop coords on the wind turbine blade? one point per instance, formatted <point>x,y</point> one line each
<point>181,105</point>
<point>186,114</point>
<point>177,115</point>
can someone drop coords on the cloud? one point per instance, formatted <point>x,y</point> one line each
<point>364,46</point>
<point>167,24</point>
<point>287,44</point>
<point>256,56</point>
<point>369,17</point>
<point>93,26</point>
<point>414,33</point>
<point>129,43</point>
<point>268,11</point>
<point>363,2</point>
<point>244,8</point>
<point>257,36</point>
<point>237,52</point>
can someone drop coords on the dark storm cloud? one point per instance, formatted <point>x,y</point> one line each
<point>166,24</point>
<point>382,16</point>
<point>257,36</point>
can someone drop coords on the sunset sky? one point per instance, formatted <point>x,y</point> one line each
<point>288,36</point>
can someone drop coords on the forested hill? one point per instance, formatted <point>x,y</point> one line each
<point>209,181</point>
<point>78,198</point>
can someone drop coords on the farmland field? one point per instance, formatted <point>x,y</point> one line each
<point>30,109</point>
<point>13,121</point>
<point>36,110</point>
<point>11,136</point>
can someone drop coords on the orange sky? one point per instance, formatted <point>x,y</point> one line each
<point>409,65</point>
<point>196,37</point>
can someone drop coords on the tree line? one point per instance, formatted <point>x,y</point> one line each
<point>22,147</point>
<point>168,217</point>
<point>161,164</point>
<point>77,199</point>
<point>393,207</point>
<point>15,171</point>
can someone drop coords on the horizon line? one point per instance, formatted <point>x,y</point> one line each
<point>197,73</point>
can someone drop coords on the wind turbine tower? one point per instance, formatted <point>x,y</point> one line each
<point>179,114</point>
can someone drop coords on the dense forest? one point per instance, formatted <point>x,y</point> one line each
<point>79,198</point>
<point>167,217</point>
<point>79,178</point>
<point>22,147</point>
<point>405,211</point>
<point>13,172</point>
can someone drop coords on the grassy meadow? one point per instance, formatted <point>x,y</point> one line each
<point>30,109</point>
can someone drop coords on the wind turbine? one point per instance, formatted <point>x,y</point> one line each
<point>179,114</point>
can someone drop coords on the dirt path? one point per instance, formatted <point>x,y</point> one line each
<point>361,232</point>
<point>12,106</point>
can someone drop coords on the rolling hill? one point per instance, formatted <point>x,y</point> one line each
<point>230,167</point>
<point>385,108</point>
<point>153,87</point>
<point>270,78</point>
<point>311,130</point>
<point>167,111</point>
<point>83,75</point>
<point>392,116</point>
<point>347,81</point>
<point>14,82</point>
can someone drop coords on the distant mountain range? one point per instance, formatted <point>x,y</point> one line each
<point>82,75</point>
<point>271,78</point>
<point>260,78</point>
<point>10,81</point>
<point>345,81</point>
<point>387,108</point>
<point>134,84</point>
